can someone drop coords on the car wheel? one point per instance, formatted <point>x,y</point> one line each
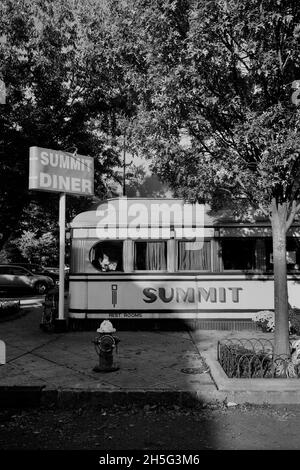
<point>41,287</point>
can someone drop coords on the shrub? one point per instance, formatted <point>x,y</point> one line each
<point>265,320</point>
<point>9,307</point>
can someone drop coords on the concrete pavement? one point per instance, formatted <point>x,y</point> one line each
<point>155,366</point>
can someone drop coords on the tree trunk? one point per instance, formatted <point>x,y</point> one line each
<point>278,219</point>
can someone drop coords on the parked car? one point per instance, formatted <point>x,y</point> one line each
<point>42,270</point>
<point>55,273</point>
<point>49,271</point>
<point>53,270</point>
<point>56,270</point>
<point>18,278</point>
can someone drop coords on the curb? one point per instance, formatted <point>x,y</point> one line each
<point>36,396</point>
<point>20,396</point>
<point>76,398</point>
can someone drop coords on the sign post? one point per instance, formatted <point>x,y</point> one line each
<point>64,173</point>
<point>62,244</point>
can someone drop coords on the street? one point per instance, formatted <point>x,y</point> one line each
<point>152,428</point>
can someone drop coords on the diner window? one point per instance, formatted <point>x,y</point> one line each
<point>256,254</point>
<point>107,256</point>
<point>194,256</point>
<point>150,255</point>
<point>239,254</point>
<point>292,254</point>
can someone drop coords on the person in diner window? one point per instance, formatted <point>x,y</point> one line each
<point>107,264</point>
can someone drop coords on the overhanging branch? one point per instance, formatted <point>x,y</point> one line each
<point>291,217</point>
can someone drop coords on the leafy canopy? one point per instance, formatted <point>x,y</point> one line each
<point>67,84</point>
<point>223,72</point>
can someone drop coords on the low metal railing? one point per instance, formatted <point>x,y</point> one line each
<point>254,358</point>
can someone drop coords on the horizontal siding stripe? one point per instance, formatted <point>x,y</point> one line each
<point>187,311</point>
<point>166,324</point>
<point>173,279</point>
<point>213,276</point>
<point>178,273</point>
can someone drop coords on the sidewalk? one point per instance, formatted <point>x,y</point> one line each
<point>155,366</point>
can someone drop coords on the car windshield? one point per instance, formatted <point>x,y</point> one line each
<point>20,271</point>
<point>37,269</point>
<point>34,269</point>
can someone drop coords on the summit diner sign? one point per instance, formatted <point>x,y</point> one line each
<point>63,172</point>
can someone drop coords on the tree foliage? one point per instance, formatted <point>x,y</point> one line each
<point>67,85</point>
<point>223,70</point>
<point>41,250</point>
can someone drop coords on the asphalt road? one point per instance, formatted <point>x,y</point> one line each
<point>152,428</point>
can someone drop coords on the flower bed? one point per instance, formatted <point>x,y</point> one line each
<point>265,320</point>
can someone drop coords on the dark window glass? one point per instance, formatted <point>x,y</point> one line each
<point>107,256</point>
<point>257,254</point>
<point>269,255</point>
<point>239,254</point>
<point>4,270</point>
<point>19,272</point>
<point>36,269</point>
<point>194,256</point>
<point>293,253</point>
<point>150,256</point>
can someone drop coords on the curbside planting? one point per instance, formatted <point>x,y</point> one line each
<point>256,391</point>
<point>9,308</point>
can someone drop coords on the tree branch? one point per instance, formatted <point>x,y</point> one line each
<point>264,211</point>
<point>291,217</point>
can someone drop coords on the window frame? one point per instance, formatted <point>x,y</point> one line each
<point>241,271</point>
<point>107,241</point>
<point>172,256</point>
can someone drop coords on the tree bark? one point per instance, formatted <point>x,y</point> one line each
<point>278,220</point>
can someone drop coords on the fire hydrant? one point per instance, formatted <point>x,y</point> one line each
<point>105,343</point>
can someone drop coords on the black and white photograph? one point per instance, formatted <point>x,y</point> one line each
<point>149,231</point>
